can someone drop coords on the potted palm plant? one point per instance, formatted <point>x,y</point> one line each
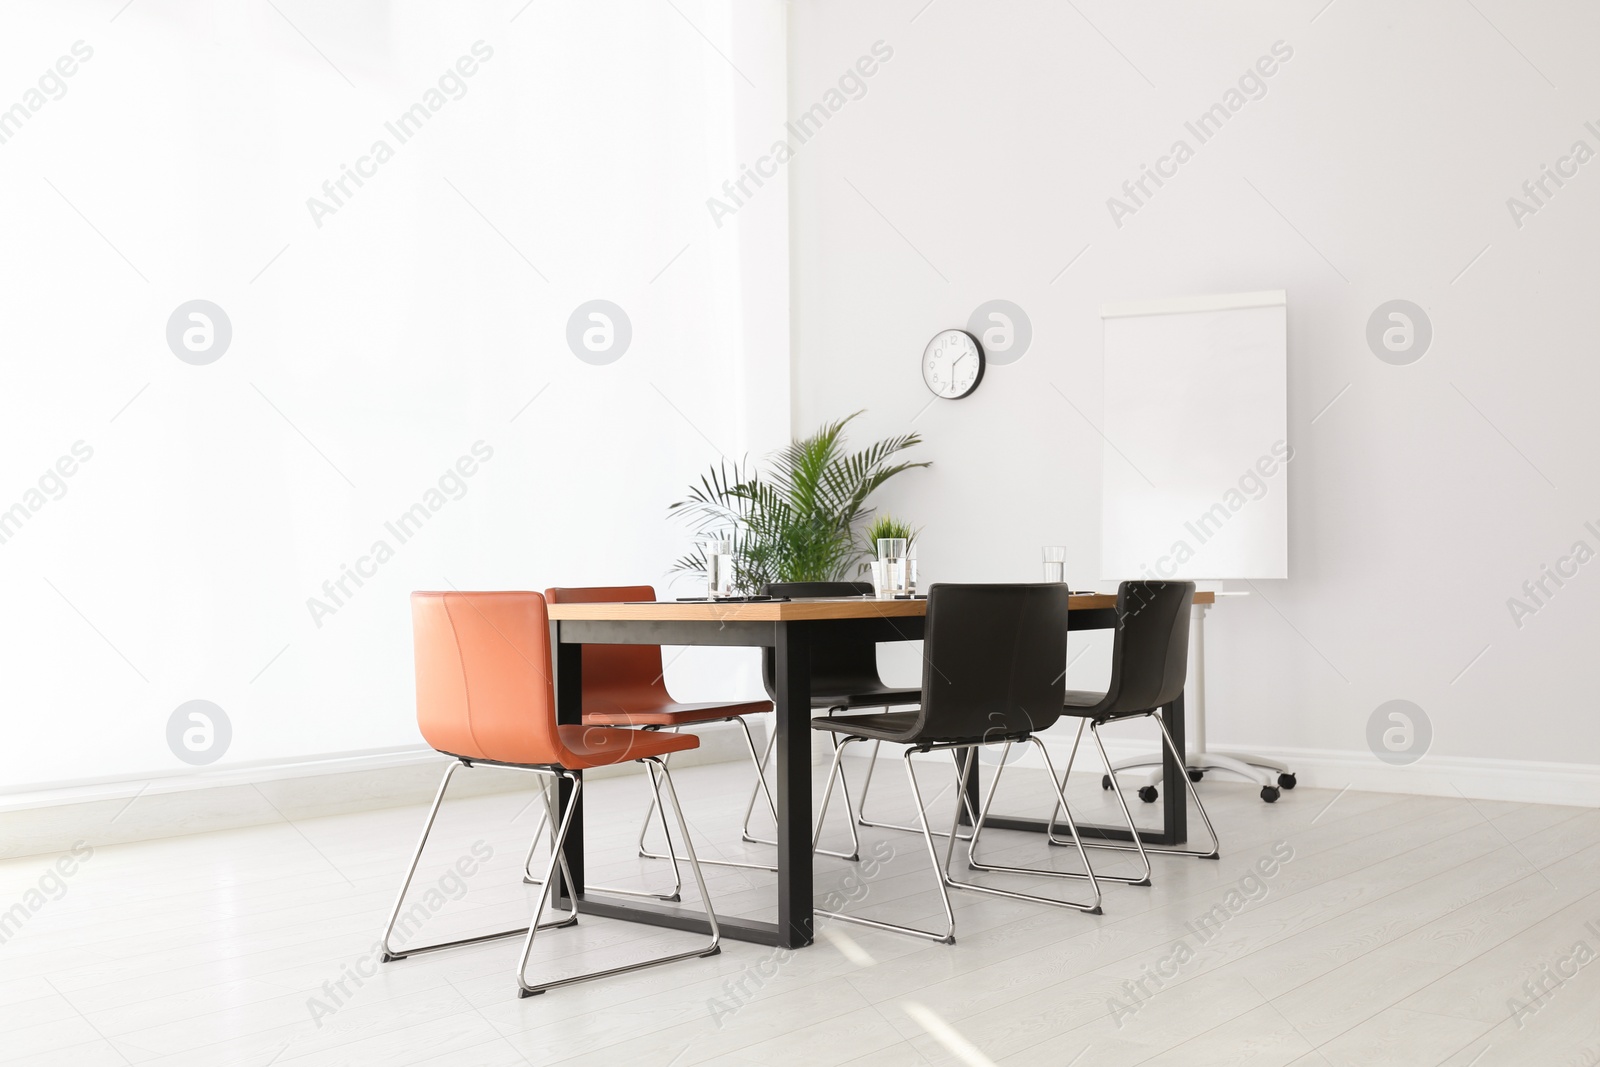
<point>793,519</point>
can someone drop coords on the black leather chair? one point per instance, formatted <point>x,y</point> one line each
<point>993,662</point>
<point>1149,661</point>
<point>844,677</point>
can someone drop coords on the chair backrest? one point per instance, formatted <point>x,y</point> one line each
<point>837,667</point>
<point>483,676</point>
<point>1150,652</point>
<point>617,677</point>
<point>994,660</point>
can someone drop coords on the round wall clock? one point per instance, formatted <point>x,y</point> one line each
<point>952,364</point>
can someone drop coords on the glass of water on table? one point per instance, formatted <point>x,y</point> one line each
<point>719,568</point>
<point>897,568</point>
<point>1055,564</point>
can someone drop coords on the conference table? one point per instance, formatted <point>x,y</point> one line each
<point>792,629</point>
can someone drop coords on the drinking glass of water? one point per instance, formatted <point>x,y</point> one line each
<point>719,569</point>
<point>892,554</point>
<point>1055,564</point>
<point>880,579</point>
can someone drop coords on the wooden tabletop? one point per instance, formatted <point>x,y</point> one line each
<point>789,610</point>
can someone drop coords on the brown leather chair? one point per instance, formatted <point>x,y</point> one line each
<point>624,685</point>
<point>484,697</point>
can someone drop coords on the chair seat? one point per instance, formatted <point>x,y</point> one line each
<point>602,746</point>
<point>1084,704</point>
<point>886,726</point>
<point>900,727</point>
<point>867,696</point>
<point>672,713</point>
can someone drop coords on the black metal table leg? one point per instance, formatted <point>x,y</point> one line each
<point>1174,788</point>
<point>974,801</point>
<point>792,687</point>
<point>568,663</point>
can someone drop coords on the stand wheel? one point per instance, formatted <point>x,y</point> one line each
<point>1270,794</point>
<point>1105,781</point>
<point>1287,781</point>
<point>1195,774</point>
<point>1148,794</point>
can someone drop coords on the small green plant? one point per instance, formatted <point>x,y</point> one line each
<point>887,526</point>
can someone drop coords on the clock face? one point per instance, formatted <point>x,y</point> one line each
<point>952,364</point>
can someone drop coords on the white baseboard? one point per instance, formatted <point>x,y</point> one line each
<point>50,820</point>
<point>1526,781</point>
<point>45,821</point>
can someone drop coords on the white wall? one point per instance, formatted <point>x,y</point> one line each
<point>974,163</point>
<point>426,314</point>
<point>1376,166</point>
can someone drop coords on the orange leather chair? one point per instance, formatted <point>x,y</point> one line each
<point>484,696</point>
<point>624,685</point>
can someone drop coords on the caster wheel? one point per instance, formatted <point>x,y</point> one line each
<point>1270,794</point>
<point>1148,794</point>
<point>1105,781</point>
<point>1287,781</point>
<point>1195,776</point>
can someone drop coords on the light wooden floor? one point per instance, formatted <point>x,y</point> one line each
<point>1397,933</point>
